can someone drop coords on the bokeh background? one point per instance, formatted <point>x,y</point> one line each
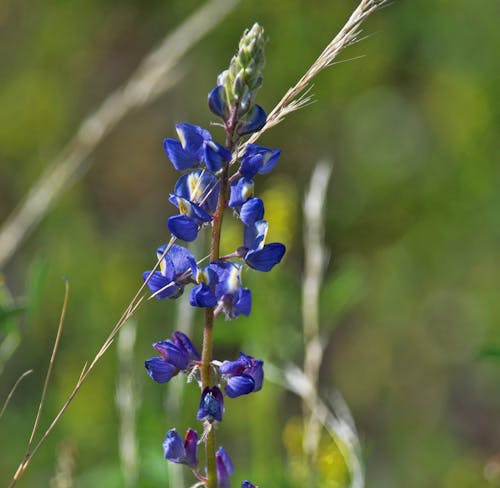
<point>409,307</point>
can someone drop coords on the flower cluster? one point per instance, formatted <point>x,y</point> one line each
<point>215,177</point>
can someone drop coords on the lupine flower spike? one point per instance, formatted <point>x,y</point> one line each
<point>208,186</point>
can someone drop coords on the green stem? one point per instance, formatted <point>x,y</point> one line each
<point>208,331</point>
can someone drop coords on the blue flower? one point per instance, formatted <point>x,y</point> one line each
<point>217,102</point>
<point>243,376</point>
<point>187,152</point>
<point>211,405</point>
<point>256,254</point>
<point>252,121</point>
<point>203,294</point>
<point>241,190</point>
<point>174,274</point>
<point>258,159</point>
<point>176,355</point>
<point>231,296</point>
<point>195,147</point>
<point>195,195</point>
<point>251,211</point>
<point>224,468</point>
<point>178,451</point>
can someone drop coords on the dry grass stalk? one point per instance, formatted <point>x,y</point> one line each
<point>315,260</point>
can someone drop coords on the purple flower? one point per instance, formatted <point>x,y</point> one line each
<point>178,451</point>
<point>176,355</point>
<point>211,405</point>
<point>243,376</point>
<point>224,467</point>
<point>174,274</point>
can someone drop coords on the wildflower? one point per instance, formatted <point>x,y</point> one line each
<point>241,191</point>
<point>243,376</point>
<point>195,146</point>
<point>176,355</point>
<point>181,451</point>
<point>203,295</point>
<point>211,405</point>
<point>174,274</point>
<point>258,160</point>
<point>256,254</point>
<point>231,296</point>
<point>224,467</point>
<point>195,195</point>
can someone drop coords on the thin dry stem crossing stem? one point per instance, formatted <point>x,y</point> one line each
<point>22,467</point>
<point>153,77</point>
<point>129,311</point>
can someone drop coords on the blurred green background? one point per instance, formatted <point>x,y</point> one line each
<point>410,310</point>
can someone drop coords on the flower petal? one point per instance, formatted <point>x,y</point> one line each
<point>172,354</point>
<point>183,227</point>
<point>192,138</point>
<point>191,448</point>
<point>211,405</point>
<point>251,211</point>
<point>239,385</point>
<point>173,447</point>
<point>157,281</point>
<point>253,121</point>
<point>266,258</point>
<point>202,296</point>
<point>179,158</point>
<point>215,155</point>
<point>217,102</point>
<point>183,342</point>
<point>159,370</point>
<point>241,191</point>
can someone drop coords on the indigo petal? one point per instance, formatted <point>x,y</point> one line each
<point>202,296</point>
<point>239,385</point>
<point>253,121</point>
<point>215,155</point>
<point>191,448</point>
<point>211,405</point>
<point>183,227</point>
<point>179,158</point>
<point>183,342</point>
<point>241,191</point>
<point>192,138</point>
<point>173,447</point>
<point>251,211</point>
<point>172,354</point>
<point>243,303</point>
<point>217,102</point>
<point>159,370</point>
<point>224,467</point>
<point>157,281</point>
<point>255,235</point>
<point>266,258</point>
